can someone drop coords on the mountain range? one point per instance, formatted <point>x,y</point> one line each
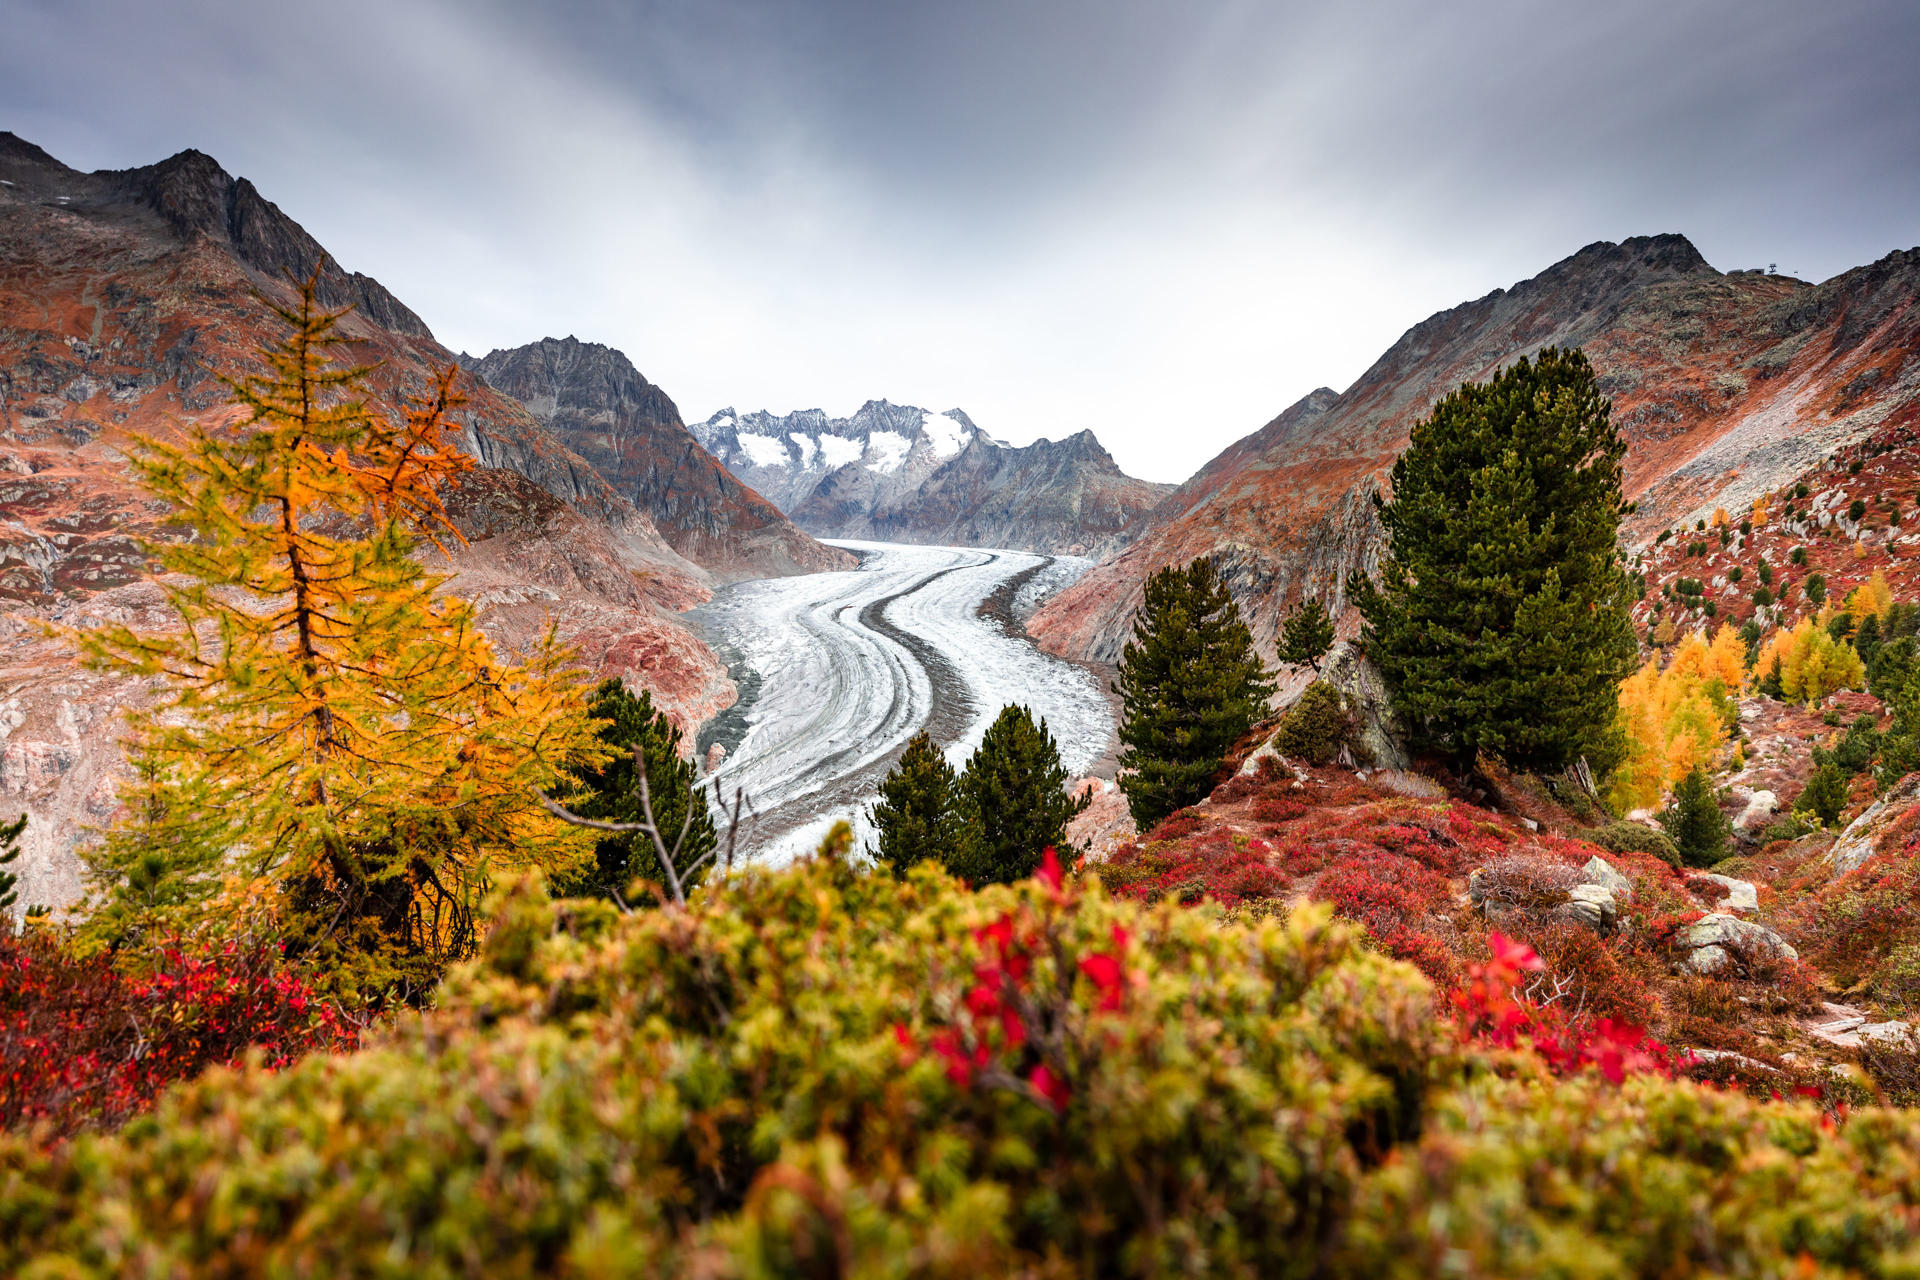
<point>1724,384</point>
<point>896,473</point>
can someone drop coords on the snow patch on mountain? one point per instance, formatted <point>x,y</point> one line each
<point>888,449</point>
<point>764,450</point>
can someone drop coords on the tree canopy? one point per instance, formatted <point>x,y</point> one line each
<point>1499,618</point>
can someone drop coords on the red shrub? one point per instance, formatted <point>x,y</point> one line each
<point>1853,927</point>
<point>1213,868</point>
<point>1493,1010</point>
<point>1383,890</point>
<point>83,1045</point>
<point>1279,808</point>
<point>1177,826</point>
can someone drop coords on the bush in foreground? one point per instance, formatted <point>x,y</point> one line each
<point>814,1072</point>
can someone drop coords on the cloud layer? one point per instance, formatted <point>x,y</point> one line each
<point>1164,222</point>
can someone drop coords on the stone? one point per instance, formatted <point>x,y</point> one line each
<point>1889,1035</point>
<point>1603,873</point>
<point>1731,932</point>
<point>1856,843</point>
<point>1742,895</point>
<point>1592,905</point>
<point>715,754</point>
<point>1708,960</point>
<point>1759,810</point>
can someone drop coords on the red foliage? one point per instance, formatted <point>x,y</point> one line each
<point>1491,1011</point>
<point>83,1045</point>
<point>1008,1031</point>
<point>1177,826</point>
<point>1214,867</point>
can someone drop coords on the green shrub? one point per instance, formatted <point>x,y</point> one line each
<point>1825,795</point>
<point>1316,727</point>
<point>1632,837</point>
<point>767,1084</point>
<point>780,1080</point>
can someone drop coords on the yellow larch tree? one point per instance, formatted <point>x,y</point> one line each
<point>1808,662</point>
<point>1676,718</point>
<point>336,750</point>
<point>1872,598</point>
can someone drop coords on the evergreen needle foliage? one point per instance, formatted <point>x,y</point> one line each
<point>1306,635</point>
<point>610,792</point>
<point>335,751</point>
<point>1694,821</point>
<point>10,833</point>
<point>1014,802</point>
<point>1192,685</point>
<point>1500,615</point>
<point>918,816</point>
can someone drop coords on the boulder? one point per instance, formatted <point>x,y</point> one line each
<point>1742,895</point>
<point>1758,811</point>
<point>1729,935</point>
<point>1603,873</point>
<point>1592,905</point>
<point>1708,960</point>
<point>1889,1035</point>
<point>1856,843</point>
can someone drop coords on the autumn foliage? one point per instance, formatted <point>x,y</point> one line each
<point>1675,718</point>
<point>84,1045</point>
<point>337,753</point>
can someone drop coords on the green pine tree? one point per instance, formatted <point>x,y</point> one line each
<point>1500,615</point>
<point>1014,802</point>
<point>9,852</point>
<point>1192,685</point>
<point>918,817</point>
<point>1694,821</point>
<point>1825,795</point>
<point>625,720</point>
<point>1306,635</point>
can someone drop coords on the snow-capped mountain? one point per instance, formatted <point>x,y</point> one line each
<point>902,473</point>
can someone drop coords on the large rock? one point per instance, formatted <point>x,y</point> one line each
<point>1857,842</point>
<point>1742,895</point>
<point>1714,940</point>
<point>1599,871</point>
<point>1592,905</point>
<point>1757,811</point>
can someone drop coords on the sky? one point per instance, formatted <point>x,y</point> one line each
<point>1164,220</point>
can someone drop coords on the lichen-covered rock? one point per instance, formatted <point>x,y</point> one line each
<point>1742,895</point>
<point>1857,843</point>
<point>1592,905</point>
<point>1599,871</point>
<point>1741,937</point>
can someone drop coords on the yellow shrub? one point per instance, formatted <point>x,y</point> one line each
<point>1812,664</point>
<point>1759,512</point>
<point>1676,718</point>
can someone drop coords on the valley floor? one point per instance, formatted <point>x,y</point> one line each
<point>838,670</point>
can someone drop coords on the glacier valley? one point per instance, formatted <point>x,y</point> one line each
<point>838,670</point>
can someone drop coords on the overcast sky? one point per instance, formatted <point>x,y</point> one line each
<point>1162,220</point>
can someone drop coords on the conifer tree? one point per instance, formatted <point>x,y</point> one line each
<point>1499,619</point>
<point>336,752</point>
<point>918,817</point>
<point>1014,802</point>
<point>1694,821</point>
<point>10,833</point>
<point>1306,635</point>
<point>609,791</point>
<point>1192,685</point>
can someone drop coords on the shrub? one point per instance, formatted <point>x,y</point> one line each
<point>808,1072</point>
<point>1315,727</point>
<point>84,1045</point>
<point>1856,509</point>
<point>1632,837</point>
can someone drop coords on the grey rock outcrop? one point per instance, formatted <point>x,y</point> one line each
<point>1856,844</point>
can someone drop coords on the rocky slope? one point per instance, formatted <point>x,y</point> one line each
<point>903,474</point>
<point>1725,386</point>
<point>598,405</point>
<point>122,294</point>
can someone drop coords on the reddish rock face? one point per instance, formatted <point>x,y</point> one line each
<point>1725,387</point>
<point>122,296</point>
